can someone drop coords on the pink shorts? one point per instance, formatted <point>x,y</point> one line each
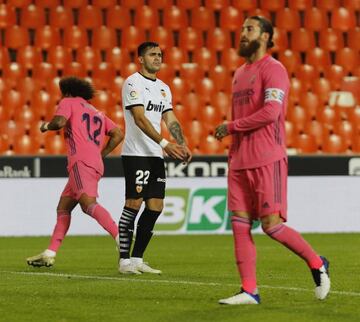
<point>260,191</point>
<point>82,179</point>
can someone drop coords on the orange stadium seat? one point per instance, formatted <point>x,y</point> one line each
<point>13,100</point>
<point>28,56</point>
<point>351,84</point>
<point>104,4</point>
<point>32,16</point>
<point>302,40</point>
<point>61,17</point>
<point>13,72</point>
<point>287,19</point>
<point>116,56</point>
<point>26,86</point>
<point>11,129</point>
<point>354,117</point>
<point>221,77</point>
<point>195,131</point>
<point>89,57</point>
<point>230,59</point>
<point>16,37</point>
<point>322,88</point>
<point>4,57</point>
<point>75,3</point>
<point>118,17</point>
<point>290,134</point>
<point>181,113</point>
<point>259,12</point>
<point>75,37</point>
<point>25,115</point>
<point>146,17</point>
<point>316,129</point>
<point>4,145</point>
<point>311,103</point>
<point>290,59</point>
<point>331,39</point>
<point>204,88</point>
<point>25,145</point>
<point>280,40</point>
<point>297,116</point>
<point>54,144</point>
<point>218,39</point>
<point>202,18</point>
<point>19,3</point>
<point>7,16</point>
<point>209,118</point>
<point>104,101</point>
<point>296,89</point>
<point>210,146</point>
<point>231,18</point>
<point>129,69</point>
<point>328,116</point>
<point>319,58</point>
<point>345,129</point>
<point>132,4</point>
<point>348,58</point>
<point>328,5</point>
<point>335,75</point>
<point>178,89</point>
<point>46,37</point>
<point>244,5</point>
<point>191,73</point>
<point>334,144</point>
<point>216,5</point>
<point>162,36</point>
<point>272,5</point>
<point>193,105</point>
<point>306,74</point>
<point>190,39</point>
<point>44,71</point>
<point>175,18</point>
<point>175,57</point>
<point>74,68</point>
<point>343,19</point>
<point>222,102</point>
<point>52,90</point>
<point>115,86</point>
<point>315,19</point>
<point>132,37</point>
<point>90,17</point>
<point>352,4</point>
<point>305,143</point>
<point>59,56</point>
<point>47,3</point>
<point>103,73</point>
<point>300,5</point>
<point>187,4</point>
<point>354,38</point>
<point>104,38</point>
<point>206,59</point>
<point>166,73</point>
<point>160,4</point>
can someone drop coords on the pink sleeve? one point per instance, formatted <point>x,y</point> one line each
<point>276,85</point>
<point>109,125</point>
<point>64,109</point>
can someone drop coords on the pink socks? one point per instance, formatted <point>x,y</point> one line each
<point>102,216</point>
<point>60,230</point>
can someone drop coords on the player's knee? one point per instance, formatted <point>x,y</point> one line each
<point>267,222</point>
<point>133,203</point>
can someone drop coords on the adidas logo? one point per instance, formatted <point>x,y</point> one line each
<point>265,205</point>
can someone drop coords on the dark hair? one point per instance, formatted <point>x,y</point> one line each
<point>145,46</point>
<point>73,86</point>
<point>265,26</point>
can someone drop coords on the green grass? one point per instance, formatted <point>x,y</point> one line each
<point>84,284</point>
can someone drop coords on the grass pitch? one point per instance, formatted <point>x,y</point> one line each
<point>84,284</point>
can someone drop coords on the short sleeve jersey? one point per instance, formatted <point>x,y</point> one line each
<point>84,132</point>
<point>155,97</point>
<point>259,91</point>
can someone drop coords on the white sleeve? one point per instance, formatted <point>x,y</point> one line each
<point>168,106</point>
<point>132,94</point>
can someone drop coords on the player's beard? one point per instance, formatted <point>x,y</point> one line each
<point>249,49</point>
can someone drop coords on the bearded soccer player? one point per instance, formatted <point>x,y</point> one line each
<point>258,165</point>
<point>146,102</point>
<point>85,129</point>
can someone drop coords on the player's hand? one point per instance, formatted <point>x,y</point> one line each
<point>44,127</point>
<point>175,151</point>
<point>221,131</point>
<point>187,154</point>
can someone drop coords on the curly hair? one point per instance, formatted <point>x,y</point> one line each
<point>76,87</point>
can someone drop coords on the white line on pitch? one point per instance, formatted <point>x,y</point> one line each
<point>163,281</point>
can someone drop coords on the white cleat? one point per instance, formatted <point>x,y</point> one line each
<point>41,260</point>
<point>127,267</point>
<point>241,298</point>
<point>322,280</point>
<point>145,268</point>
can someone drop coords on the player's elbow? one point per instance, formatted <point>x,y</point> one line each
<point>117,135</point>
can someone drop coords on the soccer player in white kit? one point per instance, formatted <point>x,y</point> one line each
<point>146,102</point>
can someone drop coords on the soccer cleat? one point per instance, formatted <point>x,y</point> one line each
<point>322,279</point>
<point>127,267</point>
<point>145,268</point>
<point>240,298</point>
<point>41,260</point>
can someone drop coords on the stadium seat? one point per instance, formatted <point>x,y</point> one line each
<point>335,75</point>
<point>210,146</point>
<point>104,101</point>
<point>175,57</point>
<point>331,39</point>
<point>104,4</point>
<point>302,40</point>
<point>115,86</point>
<point>290,59</point>
<point>188,4</point>
<point>351,84</point>
<point>195,133</point>
<point>75,37</point>
<point>202,18</point>
<point>52,90</point>
<point>319,58</point>
<point>296,89</point>
<point>190,39</point>
<point>178,89</point>
<point>193,105</point>
<point>19,3</point>
<point>216,5</point>
<point>317,130</point>
<point>13,72</point>
<point>7,16</point>
<point>175,18</point>
<point>204,88</point>
<point>12,100</point>
<point>348,58</point>
<point>61,17</point>
<point>26,86</point>
<point>191,73</point>
<point>103,73</point>
<point>74,68</point>
<point>218,39</point>
<point>354,117</point>
<point>162,36</point>
<point>229,59</point>
<point>28,57</point>
<point>42,103</point>
<point>306,74</point>
<point>305,143</point>
<point>59,57</point>
<point>322,88</point>
<point>116,56</point>
<point>75,3</point>
<point>132,37</point>
<point>300,5</point>
<point>4,58</point>
<point>32,17</point>
<point>104,38</point>
<point>25,145</point>
<point>129,69</point>
<point>47,3</point>
<point>10,130</point>
<point>345,129</point>
<point>354,38</point>
<point>290,134</point>
<point>44,71</point>
<point>287,19</point>
<point>343,19</point>
<point>355,146</point>
<point>315,19</point>
<point>166,73</point>
<point>160,4</point>
<point>297,116</point>
<point>4,145</point>
<point>206,59</point>
<point>146,17</point>
<point>25,115</point>
<point>272,5</point>
<point>209,118</point>
<point>90,17</point>
<point>46,37</point>
<point>231,18</point>
<point>259,12</point>
<point>221,78</point>
<point>118,17</point>
<point>16,37</point>
<point>311,103</point>
<point>334,144</point>
<point>328,116</point>
<point>181,113</point>
<point>222,102</point>
<point>132,4</point>
<point>244,5</point>
<point>280,40</point>
<point>54,144</point>
<point>328,5</point>
<point>352,4</point>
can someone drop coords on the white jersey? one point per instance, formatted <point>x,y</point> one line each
<point>155,96</point>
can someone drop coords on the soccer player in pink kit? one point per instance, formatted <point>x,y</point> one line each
<point>85,129</point>
<point>258,166</point>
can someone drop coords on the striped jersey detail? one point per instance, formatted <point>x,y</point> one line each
<point>274,94</point>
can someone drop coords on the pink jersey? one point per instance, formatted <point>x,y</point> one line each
<point>84,132</point>
<point>260,91</point>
